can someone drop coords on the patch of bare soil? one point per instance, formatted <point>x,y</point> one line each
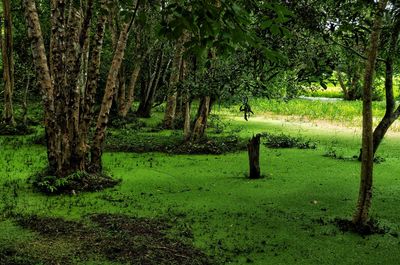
<point>111,237</point>
<point>370,228</point>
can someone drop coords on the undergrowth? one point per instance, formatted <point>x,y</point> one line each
<point>287,141</point>
<point>77,182</point>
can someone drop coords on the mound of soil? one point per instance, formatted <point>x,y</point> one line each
<point>118,238</point>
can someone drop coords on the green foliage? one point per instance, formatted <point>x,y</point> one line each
<point>75,182</point>
<point>287,141</point>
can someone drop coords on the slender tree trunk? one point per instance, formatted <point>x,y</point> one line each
<point>8,64</point>
<point>186,103</point>
<point>170,109</point>
<point>102,120</point>
<point>343,85</point>
<point>391,114</point>
<point>25,102</point>
<point>44,79</point>
<point>361,215</point>
<point>130,94</point>
<point>93,72</point>
<point>200,124</point>
<point>147,99</point>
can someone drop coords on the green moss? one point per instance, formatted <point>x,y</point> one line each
<point>284,218</point>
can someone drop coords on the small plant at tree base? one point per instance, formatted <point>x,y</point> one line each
<point>216,122</point>
<point>76,182</point>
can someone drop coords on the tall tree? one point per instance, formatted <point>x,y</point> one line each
<point>69,108</point>
<point>8,63</point>
<point>392,112</point>
<point>361,216</point>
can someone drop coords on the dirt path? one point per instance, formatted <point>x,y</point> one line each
<point>317,125</point>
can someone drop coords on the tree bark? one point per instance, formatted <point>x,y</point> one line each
<point>88,97</point>
<point>44,79</point>
<point>391,114</point>
<point>253,148</point>
<point>200,124</point>
<point>148,94</point>
<point>102,120</point>
<point>361,215</point>
<point>8,64</point>
<point>170,109</point>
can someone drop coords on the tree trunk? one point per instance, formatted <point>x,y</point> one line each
<point>25,102</point>
<point>253,148</point>
<point>361,215</point>
<point>148,94</point>
<point>44,79</point>
<point>68,107</point>
<point>131,91</point>
<point>343,85</point>
<point>93,75</point>
<point>170,109</point>
<point>391,114</point>
<point>102,120</point>
<point>8,64</point>
<point>200,124</point>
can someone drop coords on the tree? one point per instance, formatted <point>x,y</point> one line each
<point>392,113</point>
<point>8,63</point>
<point>361,216</point>
<point>68,107</point>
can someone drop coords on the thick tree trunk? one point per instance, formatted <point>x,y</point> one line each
<point>68,107</point>
<point>361,215</point>
<point>200,123</point>
<point>253,148</point>
<point>8,64</point>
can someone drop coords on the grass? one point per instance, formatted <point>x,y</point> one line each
<point>347,113</point>
<point>284,218</point>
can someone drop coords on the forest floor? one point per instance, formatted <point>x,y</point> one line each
<point>201,209</point>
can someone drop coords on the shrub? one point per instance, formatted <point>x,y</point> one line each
<point>287,141</point>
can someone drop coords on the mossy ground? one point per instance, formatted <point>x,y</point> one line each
<point>285,218</point>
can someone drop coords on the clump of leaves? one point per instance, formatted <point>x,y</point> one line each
<point>287,141</point>
<point>75,182</point>
<point>216,123</point>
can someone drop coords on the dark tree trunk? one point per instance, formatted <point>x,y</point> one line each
<point>361,215</point>
<point>253,148</point>
<point>169,115</point>
<point>149,91</point>
<point>200,124</point>
<point>8,64</point>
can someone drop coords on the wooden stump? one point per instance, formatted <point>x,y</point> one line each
<point>253,148</point>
